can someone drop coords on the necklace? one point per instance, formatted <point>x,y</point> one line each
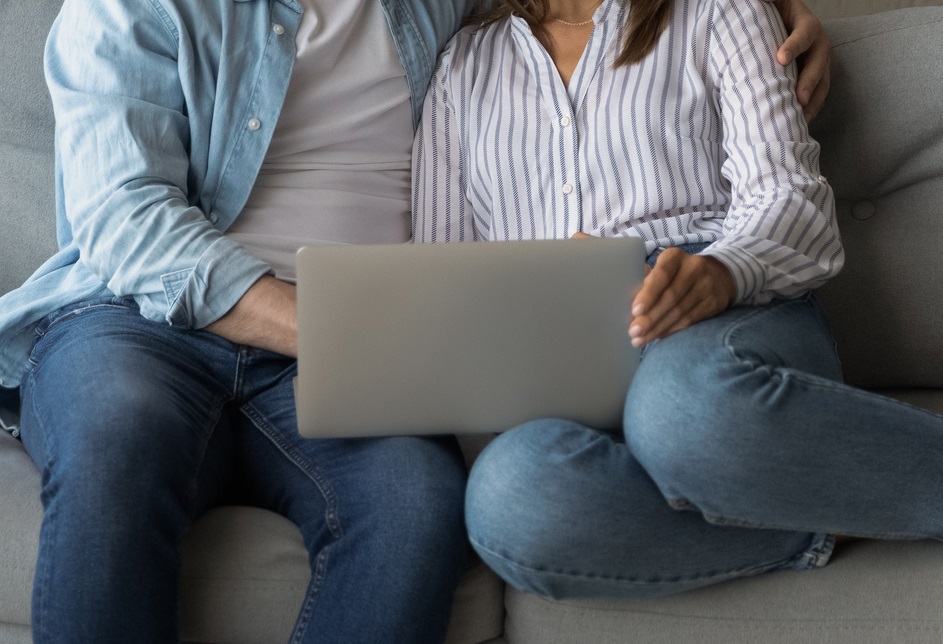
<point>573,24</point>
<point>577,24</point>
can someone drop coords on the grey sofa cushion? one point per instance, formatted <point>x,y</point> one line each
<point>882,150</point>
<point>27,186</point>
<point>827,9</point>
<point>20,516</point>
<point>871,592</point>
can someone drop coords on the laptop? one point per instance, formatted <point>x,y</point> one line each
<point>464,337</point>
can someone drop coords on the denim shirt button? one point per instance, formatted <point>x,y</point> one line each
<point>278,29</point>
<point>214,218</point>
<point>254,124</point>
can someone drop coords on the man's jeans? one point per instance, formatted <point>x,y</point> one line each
<point>138,427</point>
<point>740,453</point>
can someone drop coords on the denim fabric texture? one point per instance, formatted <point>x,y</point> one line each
<point>185,97</point>
<point>741,452</point>
<point>138,428</point>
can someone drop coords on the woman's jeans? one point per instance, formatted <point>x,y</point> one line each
<point>740,453</point>
<point>138,428</point>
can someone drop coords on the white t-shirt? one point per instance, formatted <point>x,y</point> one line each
<point>338,167</point>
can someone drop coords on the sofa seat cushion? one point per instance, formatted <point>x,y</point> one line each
<point>872,592</point>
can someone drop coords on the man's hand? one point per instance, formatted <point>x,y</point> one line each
<point>809,42</point>
<point>266,317</point>
<point>682,289</point>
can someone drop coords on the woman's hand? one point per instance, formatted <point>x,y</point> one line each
<point>682,289</point>
<point>809,41</point>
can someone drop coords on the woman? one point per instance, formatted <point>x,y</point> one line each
<point>742,451</point>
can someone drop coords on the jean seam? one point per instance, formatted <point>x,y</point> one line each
<point>50,525</point>
<point>302,463</point>
<point>816,555</point>
<point>330,513</point>
<point>718,575</point>
<point>304,616</point>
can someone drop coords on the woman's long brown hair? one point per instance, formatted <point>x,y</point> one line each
<point>647,20</point>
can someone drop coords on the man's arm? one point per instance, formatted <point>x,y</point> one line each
<point>123,133</point>
<point>809,42</point>
<point>265,317</point>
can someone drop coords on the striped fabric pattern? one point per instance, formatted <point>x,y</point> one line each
<point>703,141</point>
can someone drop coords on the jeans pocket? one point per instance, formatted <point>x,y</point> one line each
<point>78,308</point>
<point>59,316</point>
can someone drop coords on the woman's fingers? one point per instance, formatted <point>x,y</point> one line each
<point>682,290</point>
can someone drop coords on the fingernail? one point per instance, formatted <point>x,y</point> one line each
<point>637,342</point>
<point>635,330</point>
<point>638,309</point>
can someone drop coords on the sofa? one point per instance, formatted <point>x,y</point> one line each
<point>245,570</point>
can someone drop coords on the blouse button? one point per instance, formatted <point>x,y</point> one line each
<point>278,29</point>
<point>565,121</point>
<point>567,188</point>
<point>254,124</point>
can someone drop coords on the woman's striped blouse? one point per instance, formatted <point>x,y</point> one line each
<point>703,141</point>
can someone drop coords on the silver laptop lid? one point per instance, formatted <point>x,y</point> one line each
<point>462,338</point>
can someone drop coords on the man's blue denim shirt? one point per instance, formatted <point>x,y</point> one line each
<point>164,111</point>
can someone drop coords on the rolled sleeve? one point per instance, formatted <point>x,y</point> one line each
<point>123,143</point>
<point>194,298</point>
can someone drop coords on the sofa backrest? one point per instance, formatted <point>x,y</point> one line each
<point>882,150</point>
<point>27,199</point>
<point>830,9</point>
<point>882,136</point>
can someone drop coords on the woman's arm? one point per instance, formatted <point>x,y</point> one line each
<point>780,234</point>
<point>780,237</point>
<point>441,210</point>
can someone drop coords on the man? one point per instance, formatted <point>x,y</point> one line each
<point>198,145</point>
